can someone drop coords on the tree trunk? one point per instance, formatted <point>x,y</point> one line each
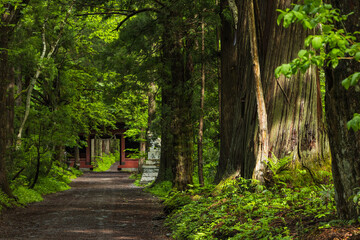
<point>340,106</point>
<point>142,150</point>
<point>6,108</point>
<point>177,91</point>
<point>291,104</point>
<point>202,99</point>
<point>228,92</point>
<point>262,154</point>
<point>77,156</point>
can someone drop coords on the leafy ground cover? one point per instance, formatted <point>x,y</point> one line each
<point>57,180</point>
<point>295,204</point>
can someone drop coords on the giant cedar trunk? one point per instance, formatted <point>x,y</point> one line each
<point>292,104</point>
<point>228,94</point>
<point>6,108</point>
<point>294,111</point>
<point>340,105</point>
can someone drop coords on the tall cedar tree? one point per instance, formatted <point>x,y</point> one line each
<point>290,102</point>
<point>340,106</point>
<point>9,18</point>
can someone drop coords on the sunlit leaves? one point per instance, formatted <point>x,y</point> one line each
<point>317,42</point>
<point>354,123</point>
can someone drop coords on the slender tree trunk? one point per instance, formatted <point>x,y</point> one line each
<point>340,106</point>
<point>77,156</point>
<point>262,154</point>
<point>142,150</point>
<point>40,66</point>
<point>38,159</point>
<point>202,99</point>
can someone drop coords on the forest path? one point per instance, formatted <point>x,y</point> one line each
<point>99,206</point>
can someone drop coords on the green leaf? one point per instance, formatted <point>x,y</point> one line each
<point>342,44</point>
<point>316,42</point>
<point>357,56</point>
<point>278,72</point>
<point>327,28</point>
<point>355,78</point>
<point>346,83</point>
<point>328,6</point>
<point>285,69</point>
<point>307,24</point>
<point>299,15</point>
<point>302,53</point>
<point>354,123</point>
<point>288,19</point>
<point>280,17</point>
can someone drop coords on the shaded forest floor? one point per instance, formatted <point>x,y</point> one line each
<point>99,206</point>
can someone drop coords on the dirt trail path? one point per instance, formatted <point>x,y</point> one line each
<point>99,206</point>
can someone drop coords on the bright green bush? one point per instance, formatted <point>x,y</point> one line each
<point>26,195</point>
<point>51,185</point>
<point>104,163</point>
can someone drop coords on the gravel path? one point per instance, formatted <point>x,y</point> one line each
<point>99,206</point>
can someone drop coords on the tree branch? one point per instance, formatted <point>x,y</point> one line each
<point>135,13</point>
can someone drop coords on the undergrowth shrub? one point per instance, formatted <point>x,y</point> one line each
<point>295,202</point>
<point>5,201</point>
<point>57,180</point>
<point>160,190</point>
<point>103,163</point>
<point>26,195</point>
<point>244,210</point>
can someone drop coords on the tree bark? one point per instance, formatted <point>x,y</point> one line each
<point>228,92</point>
<point>340,105</point>
<point>291,103</point>
<point>202,99</point>
<point>177,92</point>
<point>262,155</point>
<point>8,21</point>
<point>6,108</point>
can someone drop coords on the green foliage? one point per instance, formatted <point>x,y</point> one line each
<point>5,201</point>
<point>26,195</point>
<point>244,210</point>
<point>160,190</point>
<point>340,44</point>
<point>57,180</point>
<point>104,163</point>
<point>50,185</point>
<point>137,178</point>
<point>354,123</point>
